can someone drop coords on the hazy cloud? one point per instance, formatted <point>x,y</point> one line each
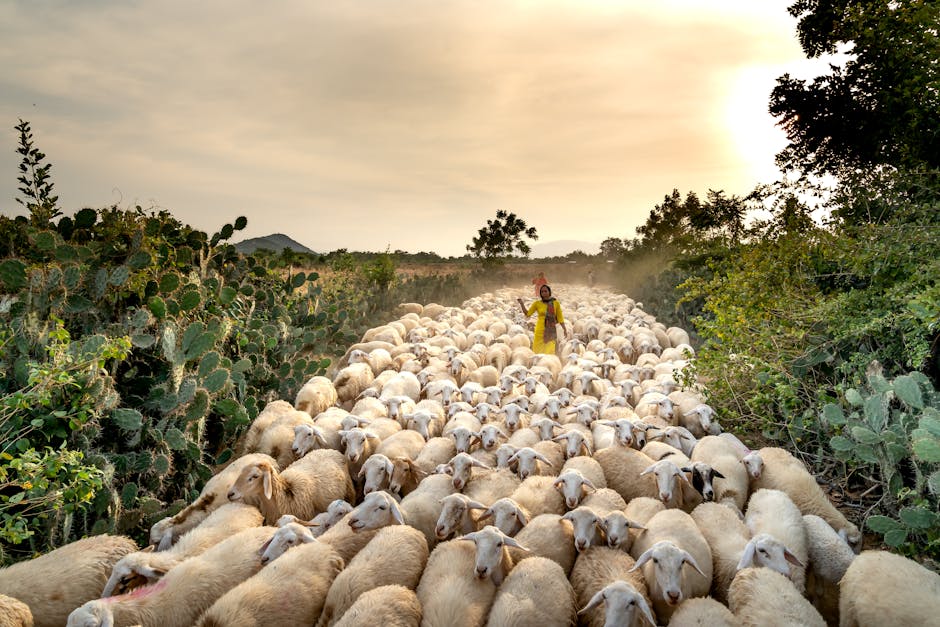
<point>393,122</point>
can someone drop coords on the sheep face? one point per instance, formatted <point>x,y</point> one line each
<point>553,407</point>
<point>306,439</point>
<point>503,454</point>
<point>528,459</point>
<point>402,469</point>
<point>376,510</point>
<point>585,523</point>
<point>754,464</point>
<point>290,535</point>
<point>574,442</point>
<point>617,527</point>
<point>254,481</point>
<point>765,550</point>
<point>507,517</point>
<point>667,476</point>
<point>92,614</point>
<point>462,438</point>
<point>703,477</point>
<point>489,437</point>
<point>376,470</point>
<point>355,440</point>
<point>667,560</point>
<point>514,419</point>
<point>132,571</point>
<point>572,485</point>
<point>456,508</point>
<point>460,466</point>
<point>490,542</point>
<point>161,533</point>
<point>622,603</point>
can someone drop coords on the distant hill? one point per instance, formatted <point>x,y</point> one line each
<point>560,248</point>
<point>276,243</point>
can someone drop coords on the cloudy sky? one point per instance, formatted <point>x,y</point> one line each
<point>369,124</point>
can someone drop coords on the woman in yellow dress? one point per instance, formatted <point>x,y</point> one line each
<point>549,311</point>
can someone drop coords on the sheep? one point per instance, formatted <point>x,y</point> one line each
<point>186,591</point>
<point>782,471</point>
<point>622,468</point>
<point>435,452</point>
<point>589,468</point>
<point>405,477</point>
<point>14,613</point>
<point>674,489</point>
<point>304,489</point>
<point>429,424</point>
<point>881,588</point>
<point>535,594</point>
<point>761,596</point>
<point>829,558</point>
<point>146,567</point>
<point>304,574</point>
<point>389,606</point>
<point>368,409</point>
<point>545,536</point>
<point>537,495</point>
<point>322,522</point>
<point>316,396</point>
<point>54,584</point>
<point>266,417</point>
<point>402,384</point>
<point>616,527</point>
<point>623,605</point>
<point>308,437</point>
<point>703,612</point>
<point>376,473</point>
<point>529,459</point>
<point>404,443</point>
<point>595,569</point>
<point>395,555</point>
<point>360,444</point>
<point>449,593</point>
<point>720,455</point>
<point>278,439</point>
<point>573,485</point>
<point>486,486</point>
<point>671,540</point>
<point>213,496</point>
<point>422,508</point>
<point>772,512</point>
<point>456,516</point>
<point>350,382</point>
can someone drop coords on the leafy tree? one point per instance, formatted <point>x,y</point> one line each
<point>612,247</point>
<point>500,238</point>
<point>34,179</point>
<point>882,107</point>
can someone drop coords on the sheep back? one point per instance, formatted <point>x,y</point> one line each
<point>703,612</point>
<point>304,573</point>
<point>535,594</point>
<point>882,588</point>
<point>762,596</point>
<point>537,494</point>
<point>449,592</point>
<point>389,606</point>
<point>622,468</point>
<point>14,613</point>
<point>727,537</point>
<point>546,536</point>
<point>54,584</point>
<point>397,554</point>
<point>596,567</point>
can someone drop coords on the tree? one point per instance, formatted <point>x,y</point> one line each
<point>882,108</point>
<point>34,178</point>
<point>612,247</point>
<point>500,238</point>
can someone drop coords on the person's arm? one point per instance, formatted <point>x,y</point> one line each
<point>561,318</point>
<point>522,304</point>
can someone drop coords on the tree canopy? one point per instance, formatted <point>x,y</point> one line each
<point>501,238</point>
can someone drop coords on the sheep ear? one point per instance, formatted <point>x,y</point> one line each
<point>567,516</point>
<point>557,483</point>
<point>587,447</point>
<point>596,600</point>
<point>688,559</point>
<point>479,464</point>
<point>635,525</point>
<point>486,514</point>
<point>514,543</point>
<point>747,558</point>
<point>148,549</point>
<point>715,473</point>
<point>396,512</point>
<point>793,559</point>
<point>389,468</point>
<point>264,547</point>
<point>647,555</point>
<point>166,541</point>
<point>266,476</point>
<point>645,608</point>
<point>544,459</point>
<point>588,483</point>
<point>152,572</point>
<point>362,472</point>
<point>372,436</point>
<point>648,470</point>
<point>521,517</point>
<point>471,504</point>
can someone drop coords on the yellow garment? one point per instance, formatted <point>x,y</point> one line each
<point>539,345</point>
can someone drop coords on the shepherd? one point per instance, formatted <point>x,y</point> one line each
<point>549,311</point>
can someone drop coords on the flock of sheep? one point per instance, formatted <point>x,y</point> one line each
<point>446,475</point>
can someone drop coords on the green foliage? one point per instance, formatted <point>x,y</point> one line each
<point>34,180</point>
<point>890,430</point>
<point>880,107</point>
<point>501,238</point>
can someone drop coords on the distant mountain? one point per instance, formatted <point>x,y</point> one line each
<point>276,243</point>
<point>560,248</point>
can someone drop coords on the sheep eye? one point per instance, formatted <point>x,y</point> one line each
<point>655,561</point>
<point>632,603</point>
<point>383,506</point>
<point>762,551</point>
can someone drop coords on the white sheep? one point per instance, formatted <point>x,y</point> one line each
<point>304,489</point>
<point>772,512</point>
<point>536,592</point>
<point>622,468</point>
<point>396,555</point>
<point>54,584</point>
<point>457,516</point>
<point>146,567</point>
<point>271,412</point>
<point>213,496</point>
<point>829,558</point>
<point>761,596</point>
<point>436,451</point>
<point>595,569</point>
<point>14,613</point>
<point>721,456</point>
<point>539,496</point>
<point>782,471</point>
<point>389,606</point>
<point>449,592</point>
<point>316,396</point>
<point>545,536</point>
<point>670,541</point>
<point>304,574</point>
<point>186,591</point>
<point>508,516</point>
<point>486,486</point>
<point>674,488</point>
<point>350,383</point>
<point>279,438</point>
<point>881,588</point>
<point>703,612</point>
<point>623,605</point>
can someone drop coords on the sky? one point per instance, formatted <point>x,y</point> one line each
<point>400,124</point>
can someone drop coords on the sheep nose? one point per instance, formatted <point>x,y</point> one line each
<point>368,490</point>
<point>265,559</point>
<point>709,495</point>
<point>613,541</point>
<point>580,545</point>
<point>572,503</point>
<point>673,596</point>
<point>481,572</point>
<point>231,495</point>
